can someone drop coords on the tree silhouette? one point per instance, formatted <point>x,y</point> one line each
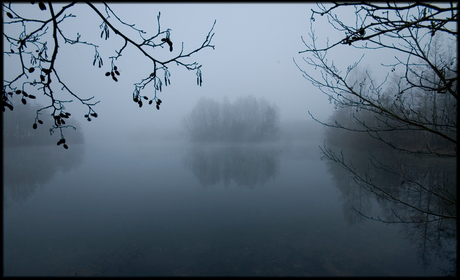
<point>412,108</point>
<point>35,41</point>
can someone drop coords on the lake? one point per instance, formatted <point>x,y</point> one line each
<point>179,209</point>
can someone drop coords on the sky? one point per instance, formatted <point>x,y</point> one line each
<point>255,45</point>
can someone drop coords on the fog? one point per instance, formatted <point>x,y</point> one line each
<point>226,178</point>
<point>254,50</point>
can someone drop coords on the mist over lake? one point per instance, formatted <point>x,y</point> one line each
<point>173,208</point>
<point>210,139</point>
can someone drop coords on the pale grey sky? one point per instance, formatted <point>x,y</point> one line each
<point>254,49</point>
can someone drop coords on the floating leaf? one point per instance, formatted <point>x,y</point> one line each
<point>25,94</point>
<point>150,102</point>
<point>31,69</point>
<point>40,121</point>
<point>18,91</point>
<point>94,115</point>
<point>42,6</point>
<point>65,146</point>
<point>9,15</point>
<point>107,74</point>
<point>31,96</point>
<point>24,101</point>
<point>34,126</point>
<point>158,107</point>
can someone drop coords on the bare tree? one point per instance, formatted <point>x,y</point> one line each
<point>412,108</point>
<point>37,47</point>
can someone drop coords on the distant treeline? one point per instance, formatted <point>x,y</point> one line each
<point>18,127</point>
<point>246,120</point>
<point>438,112</point>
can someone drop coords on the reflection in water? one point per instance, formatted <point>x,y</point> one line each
<point>401,184</point>
<point>247,166</point>
<point>27,167</point>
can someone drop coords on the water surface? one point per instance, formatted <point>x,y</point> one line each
<point>176,209</point>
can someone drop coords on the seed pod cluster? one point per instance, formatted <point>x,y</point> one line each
<point>41,6</point>
<point>59,119</point>
<point>169,43</point>
<point>24,95</point>
<point>158,103</point>
<point>94,114</point>
<point>62,141</point>
<point>35,124</point>
<point>113,73</point>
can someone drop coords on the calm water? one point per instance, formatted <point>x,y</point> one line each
<point>176,209</point>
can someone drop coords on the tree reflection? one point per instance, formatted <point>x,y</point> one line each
<point>29,160</point>
<point>407,188</point>
<point>247,166</point>
<point>28,167</point>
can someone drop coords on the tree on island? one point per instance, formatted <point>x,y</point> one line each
<point>248,119</point>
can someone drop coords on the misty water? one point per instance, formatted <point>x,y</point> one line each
<point>173,208</point>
